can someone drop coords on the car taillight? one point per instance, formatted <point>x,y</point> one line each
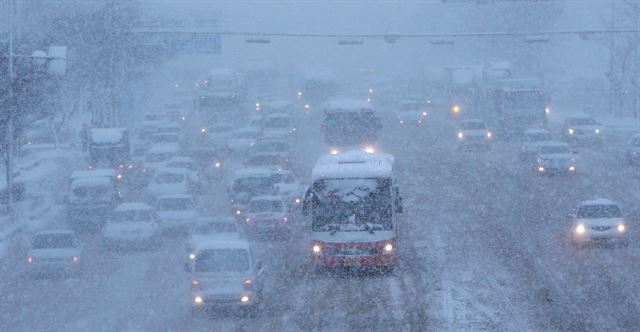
<point>285,219</point>
<point>29,260</point>
<point>195,282</point>
<point>75,259</point>
<point>247,284</point>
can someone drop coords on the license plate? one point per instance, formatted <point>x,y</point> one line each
<point>352,262</point>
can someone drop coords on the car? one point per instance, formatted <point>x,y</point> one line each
<point>132,225</point>
<point>55,252</point>
<point>217,134</point>
<point>583,130</point>
<point>553,158</point>
<point>165,138</point>
<point>255,122</point>
<point>288,188</point>
<point>271,145</point>
<point>267,215</point>
<point>633,150</point>
<point>243,139</point>
<point>187,163</point>
<point>411,111</point>
<point>599,221</point>
<point>278,124</point>
<point>225,274</point>
<point>158,155</point>
<point>268,160</point>
<point>176,213</point>
<point>473,134</point>
<point>90,200</point>
<point>207,229</point>
<point>531,140</point>
<point>247,183</point>
<point>169,128</point>
<point>150,122</point>
<point>172,181</point>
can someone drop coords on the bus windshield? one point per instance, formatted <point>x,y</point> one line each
<point>354,204</point>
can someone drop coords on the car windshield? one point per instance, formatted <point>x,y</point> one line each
<point>265,206</point>
<point>244,134</point>
<point>220,129</point>
<point>253,184</point>
<point>278,122</point>
<point>51,241</point>
<point>222,260</point>
<point>157,157</point>
<point>216,227</point>
<point>169,178</point>
<point>538,137</point>
<point>95,191</point>
<point>599,211</point>
<point>165,138</point>
<point>264,161</point>
<point>174,204</point>
<point>183,164</point>
<point>351,205</point>
<point>410,107</point>
<point>581,122</point>
<point>283,178</point>
<point>154,117</point>
<point>473,125</point>
<point>271,146</point>
<point>133,216</point>
<point>561,149</point>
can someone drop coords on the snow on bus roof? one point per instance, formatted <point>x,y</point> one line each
<point>107,135</point>
<point>354,164</point>
<point>348,104</point>
<point>599,201</point>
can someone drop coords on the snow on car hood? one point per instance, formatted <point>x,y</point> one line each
<point>355,237</point>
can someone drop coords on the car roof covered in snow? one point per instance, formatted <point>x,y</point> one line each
<point>91,182</point>
<point>553,143</point>
<point>278,115</point>
<point>163,148</point>
<point>276,103</point>
<point>533,131</point>
<point>133,206</point>
<point>410,101</point>
<point>472,121</point>
<point>251,172</point>
<point>599,201</point>
<point>348,105</point>
<point>100,172</point>
<point>180,159</point>
<point>172,170</point>
<point>222,243</point>
<point>55,232</point>
<point>266,198</point>
<point>175,196</point>
<point>354,164</point>
<point>251,130</point>
<point>215,220</point>
<point>107,135</point>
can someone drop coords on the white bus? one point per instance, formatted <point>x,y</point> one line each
<point>353,202</point>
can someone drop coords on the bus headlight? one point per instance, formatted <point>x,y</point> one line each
<point>388,247</point>
<point>245,299</point>
<point>198,299</point>
<point>580,229</point>
<point>317,249</point>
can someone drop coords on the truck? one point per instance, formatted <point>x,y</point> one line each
<point>221,95</point>
<point>517,104</point>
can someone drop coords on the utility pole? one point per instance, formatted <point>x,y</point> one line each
<point>10,125</point>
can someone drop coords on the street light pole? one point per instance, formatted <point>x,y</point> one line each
<point>10,124</point>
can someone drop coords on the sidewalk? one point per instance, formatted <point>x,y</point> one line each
<point>44,173</point>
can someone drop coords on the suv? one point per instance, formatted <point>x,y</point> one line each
<point>531,141</point>
<point>474,133</point>
<point>267,215</point>
<point>583,131</point>
<point>599,220</point>
<point>224,273</point>
<point>54,252</point>
<point>554,157</point>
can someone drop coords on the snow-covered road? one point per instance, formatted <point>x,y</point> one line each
<point>483,246</point>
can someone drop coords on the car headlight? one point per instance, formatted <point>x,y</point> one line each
<point>192,256</point>
<point>489,134</point>
<point>217,164</point>
<point>597,130</point>
<point>388,247</point>
<point>456,109</point>
<point>540,169</point>
<point>580,229</point>
<point>622,228</point>
<point>570,131</point>
<point>297,200</point>
<point>198,299</point>
<point>424,113</point>
<point>572,168</point>
<point>460,135</point>
<point>245,299</point>
<point>317,249</point>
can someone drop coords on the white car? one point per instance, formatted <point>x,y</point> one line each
<point>411,111</point>
<point>54,252</point>
<point>531,140</point>
<point>165,138</point>
<point>224,273</point>
<point>288,188</point>
<point>132,224</point>
<point>633,150</point>
<point>247,183</point>
<point>271,145</point>
<point>207,229</point>
<point>176,212</point>
<point>583,130</point>
<point>268,160</point>
<point>243,139</point>
<point>474,133</point>
<point>170,181</point>
<point>218,134</point>
<point>555,157</point>
<point>278,124</point>
<point>158,155</point>
<point>169,128</point>
<point>151,121</point>
<point>187,163</point>
<point>267,215</point>
<point>599,220</point>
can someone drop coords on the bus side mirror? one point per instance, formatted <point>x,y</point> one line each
<point>397,200</point>
<point>306,201</point>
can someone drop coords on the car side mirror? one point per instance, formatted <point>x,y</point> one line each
<point>258,266</point>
